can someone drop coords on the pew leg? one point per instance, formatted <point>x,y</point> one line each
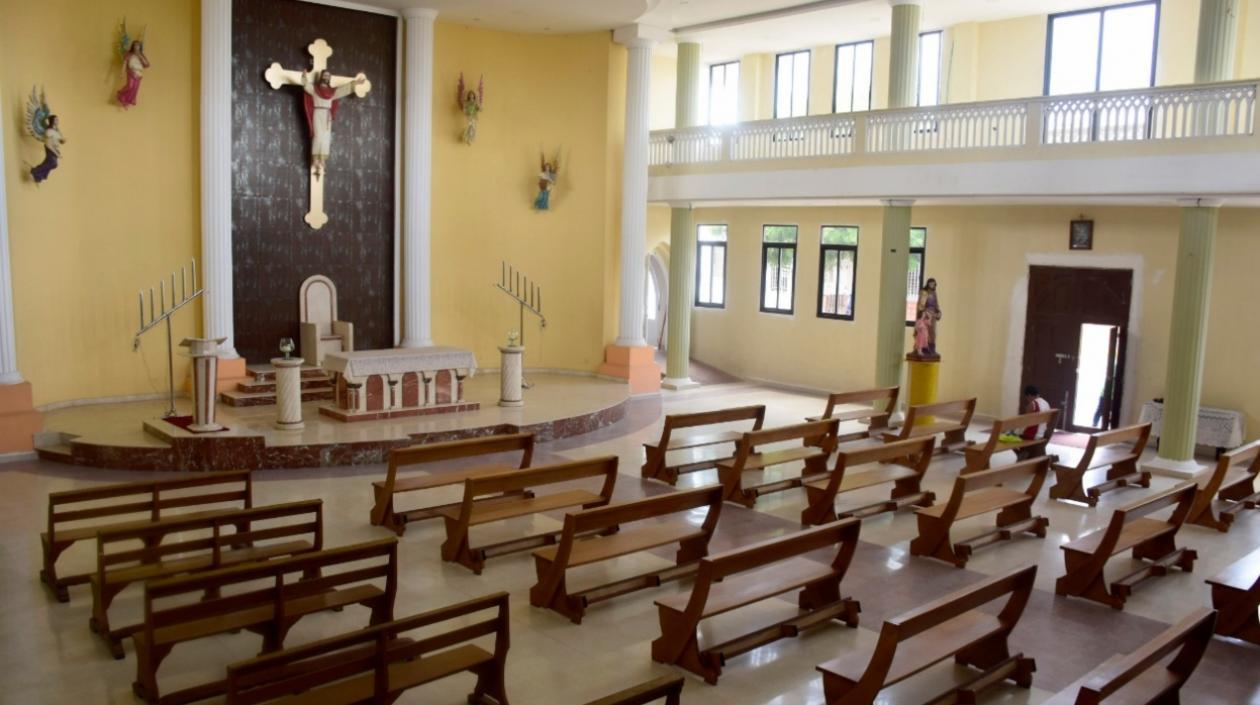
<point>692,550</point>
<point>1083,578</point>
<point>933,540</point>
<point>148,659</point>
<point>984,654</point>
<point>455,548</point>
<point>52,551</point>
<point>1067,485</point>
<point>678,645</point>
<point>102,598</point>
<point>820,507</point>
<point>910,487</point>
<point>490,687</point>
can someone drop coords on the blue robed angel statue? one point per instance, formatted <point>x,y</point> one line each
<point>547,172</point>
<point>41,124</point>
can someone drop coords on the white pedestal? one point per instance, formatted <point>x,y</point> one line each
<point>510,375</point>
<point>288,393</point>
<point>205,356</point>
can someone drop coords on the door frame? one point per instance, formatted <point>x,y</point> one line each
<point>1013,369</point>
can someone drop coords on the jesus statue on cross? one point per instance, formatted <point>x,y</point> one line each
<point>323,91</point>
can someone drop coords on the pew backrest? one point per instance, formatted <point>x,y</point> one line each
<point>1138,434</point>
<point>959,410</point>
<point>579,523</point>
<point>674,422</point>
<point>821,434</point>
<point>887,395</point>
<point>723,565</point>
<point>917,452</point>
<point>530,478</point>
<point>1017,425</point>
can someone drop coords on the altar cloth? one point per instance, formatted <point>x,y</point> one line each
<point>359,364</point>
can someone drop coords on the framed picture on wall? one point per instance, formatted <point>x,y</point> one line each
<point>1081,235</point>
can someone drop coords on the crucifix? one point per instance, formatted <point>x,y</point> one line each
<point>323,91</point>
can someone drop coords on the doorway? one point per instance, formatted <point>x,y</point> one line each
<point>1075,338</point>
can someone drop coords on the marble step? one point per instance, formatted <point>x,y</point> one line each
<point>255,386</point>
<point>57,453</point>
<point>267,373</point>
<point>235,397</point>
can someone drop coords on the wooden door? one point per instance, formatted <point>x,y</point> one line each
<point>1060,301</point>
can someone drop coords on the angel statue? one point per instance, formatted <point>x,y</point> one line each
<point>134,62</point>
<point>470,103</point>
<point>44,126</point>
<point>548,170</point>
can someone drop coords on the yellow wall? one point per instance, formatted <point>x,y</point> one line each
<point>664,80</point>
<point>980,257</point>
<point>120,212</point>
<point>542,92</point>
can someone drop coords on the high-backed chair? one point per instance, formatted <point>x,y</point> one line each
<point>322,332</point>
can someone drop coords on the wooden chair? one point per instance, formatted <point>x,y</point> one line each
<point>951,627</point>
<point>668,687</point>
<point>818,440</point>
<point>1236,595</point>
<point>1150,539</point>
<point>130,504</point>
<point>267,598</point>
<point>384,512</point>
<point>882,402</point>
<point>978,456</point>
<point>1140,678</point>
<point>697,449</point>
<point>906,477</point>
<point>1110,450</point>
<point>922,420</point>
<point>510,488</point>
<point>981,493</point>
<point>185,545</point>
<point>552,562</point>
<point>378,664</point>
<point>748,575</point>
<point>1234,483</point>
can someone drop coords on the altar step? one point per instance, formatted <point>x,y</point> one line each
<point>260,387</point>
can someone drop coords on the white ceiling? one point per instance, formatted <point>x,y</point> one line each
<point>846,20</point>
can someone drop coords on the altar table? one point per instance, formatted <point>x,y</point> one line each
<point>1217,428</point>
<point>382,384</point>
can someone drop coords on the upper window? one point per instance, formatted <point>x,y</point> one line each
<point>724,93</point>
<point>1104,49</point>
<point>778,266</point>
<point>853,77</point>
<point>837,271</point>
<point>930,68</point>
<point>791,84</point>
<point>711,266</point>
<point>914,272</point>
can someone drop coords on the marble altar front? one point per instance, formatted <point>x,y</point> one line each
<point>381,384</point>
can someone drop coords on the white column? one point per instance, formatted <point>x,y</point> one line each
<point>634,182</point>
<point>216,173</point>
<point>8,341</point>
<point>417,177</point>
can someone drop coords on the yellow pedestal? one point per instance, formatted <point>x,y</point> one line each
<point>923,376</point>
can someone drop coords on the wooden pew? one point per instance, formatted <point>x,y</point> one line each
<point>952,428</point>
<point>185,545</point>
<point>1234,483</point>
<point>130,504</point>
<point>572,551</point>
<point>472,511</point>
<point>1150,539</point>
<point>818,440</point>
<point>698,449</point>
<point>1140,678</point>
<point>668,687</point>
<point>750,574</point>
<point>881,403</point>
<point>1236,595</point>
<point>978,456</point>
<point>267,598</point>
<point>906,476</point>
<point>953,627</point>
<point>384,512</point>
<point>379,663</point>
<point>1108,450</point>
<point>980,493</point>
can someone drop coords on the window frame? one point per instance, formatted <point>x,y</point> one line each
<point>823,249</point>
<point>940,60</point>
<point>775,93</point>
<point>922,252</point>
<point>765,253</point>
<point>835,75</point>
<point>1102,20</point>
<point>699,247</point>
<point>708,108</point>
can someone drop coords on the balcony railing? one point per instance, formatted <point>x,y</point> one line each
<point>1173,113</point>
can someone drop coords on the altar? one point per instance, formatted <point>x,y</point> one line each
<point>383,384</point>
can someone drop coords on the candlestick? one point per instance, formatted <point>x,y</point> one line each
<point>152,315</point>
<point>194,274</point>
<point>141,308</point>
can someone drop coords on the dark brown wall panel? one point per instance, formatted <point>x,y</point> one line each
<point>273,250</point>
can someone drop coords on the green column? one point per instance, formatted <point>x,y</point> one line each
<point>1187,334</point>
<point>1217,44</point>
<point>903,67</point>
<point>893,265</point>
<point>682,234</point>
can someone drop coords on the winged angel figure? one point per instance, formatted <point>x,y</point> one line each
<point>134,62</point>
<point>547,173</point>
<point>44,126</point>
<point>470,103</point>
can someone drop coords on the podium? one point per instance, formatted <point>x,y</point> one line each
<point>205,357</point>
<point>923,378</point>
<point>510,376</point>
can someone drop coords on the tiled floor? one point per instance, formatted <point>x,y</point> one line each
<point>48,655</point>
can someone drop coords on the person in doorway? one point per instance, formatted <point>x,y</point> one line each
<point>1032,403</point>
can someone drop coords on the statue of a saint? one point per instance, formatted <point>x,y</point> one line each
<point>321,102</point>
<point>134,63</point>
<point>547,173</point>
<point>929,312</point>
